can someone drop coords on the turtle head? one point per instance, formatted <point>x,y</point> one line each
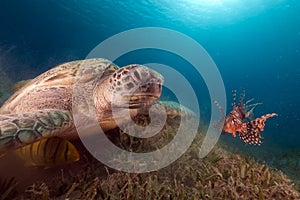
<point>133,86</point>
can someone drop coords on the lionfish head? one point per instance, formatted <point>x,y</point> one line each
<point>232,124</point>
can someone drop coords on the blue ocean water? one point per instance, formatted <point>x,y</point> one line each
<point>255,45</point>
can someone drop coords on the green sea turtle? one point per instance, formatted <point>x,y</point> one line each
<point>43,107</point>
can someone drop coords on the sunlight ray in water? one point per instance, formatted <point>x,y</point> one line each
<point>211,12</point>
<point>215,2</point>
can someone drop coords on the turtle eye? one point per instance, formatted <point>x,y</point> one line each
<point>140,74</point>
<point>137,75</point>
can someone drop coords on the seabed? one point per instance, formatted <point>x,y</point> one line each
<point>220,175</point>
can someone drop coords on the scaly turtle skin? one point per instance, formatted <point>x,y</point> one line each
<point>43,107</point>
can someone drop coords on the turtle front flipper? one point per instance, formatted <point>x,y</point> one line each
<point>18,130</point>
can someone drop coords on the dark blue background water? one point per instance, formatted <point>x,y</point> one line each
<point>256,47</point>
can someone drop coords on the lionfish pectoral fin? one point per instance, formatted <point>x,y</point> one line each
<point>250,133</point>
<point>249,114</point>
<point>248,101</point>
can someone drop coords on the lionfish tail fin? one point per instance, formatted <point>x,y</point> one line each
<point>250,132</point>
<point>249,114</point>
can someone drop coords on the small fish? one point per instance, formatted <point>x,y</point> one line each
<point>49,152</point>
<point>238,120</point>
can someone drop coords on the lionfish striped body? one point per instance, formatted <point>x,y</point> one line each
<point>237,121</point>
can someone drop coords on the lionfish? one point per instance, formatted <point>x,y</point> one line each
<point>239,120</point>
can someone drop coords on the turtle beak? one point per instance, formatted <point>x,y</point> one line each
<point>141,99</point>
